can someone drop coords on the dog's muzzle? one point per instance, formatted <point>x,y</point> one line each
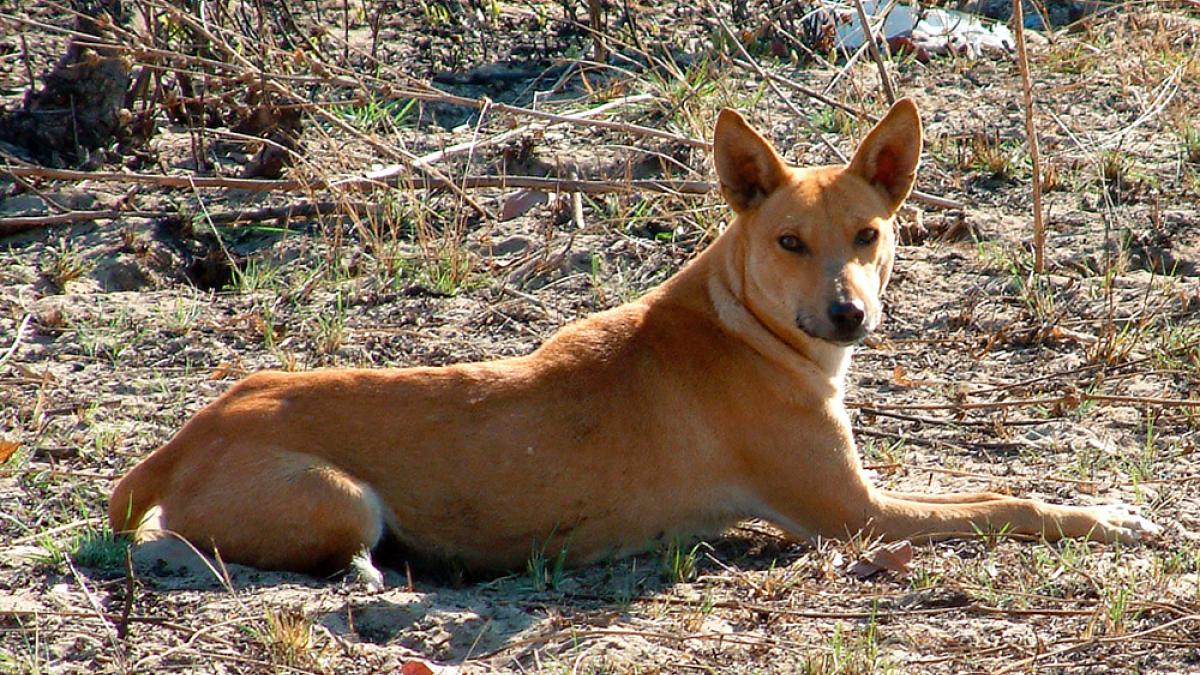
<point>842,337</point>
<point>848,320</point>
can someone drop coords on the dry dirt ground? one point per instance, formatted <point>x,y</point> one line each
<point>1078,385</point>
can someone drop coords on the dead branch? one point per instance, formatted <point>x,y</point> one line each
<point>479,104</point>
<point>813,93</point>
<point>757,69</point>
<point>680,187</point>
<point>16,343</point>
<point>250,184</point>
<point>430,173</point>
<point>1039,227</point>
<point>470,146</point>
<point>427,182</point>
<point>17,225</point>
<point>869,36</point>
<point>1028,402</point>
<point>747,62</point>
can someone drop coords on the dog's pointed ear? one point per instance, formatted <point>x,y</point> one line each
<point>888,157</point>
<point>747,166</point>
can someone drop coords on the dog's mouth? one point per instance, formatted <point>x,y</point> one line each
<point>835,337</point>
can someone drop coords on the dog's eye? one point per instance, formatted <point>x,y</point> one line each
<point>866,236</point>
<point>792,243</point>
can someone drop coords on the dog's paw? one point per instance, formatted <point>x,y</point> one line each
<point>1120,522</point>
<point>364,571</point>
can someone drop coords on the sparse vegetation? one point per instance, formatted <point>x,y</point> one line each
<point>679,560</point>
<point>993,156</point>
<point>288,636</point>
<point>1189,137</point>
<point>1079,385</point>
<point>99,550</point>
<point>61,264</point>
<point>545,571</point>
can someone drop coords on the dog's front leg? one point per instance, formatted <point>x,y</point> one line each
<point>950,498</point>
<point>820,488</point>
<point>932,517</point>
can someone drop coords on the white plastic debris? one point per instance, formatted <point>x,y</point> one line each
<point>900,21</point>
<point>931,31</point>
<point>942,31</point>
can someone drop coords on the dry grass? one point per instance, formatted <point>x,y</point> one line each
<point>1077,385</point>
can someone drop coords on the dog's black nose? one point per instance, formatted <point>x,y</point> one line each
<point>847,317</point>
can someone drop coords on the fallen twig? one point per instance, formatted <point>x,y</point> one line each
<point>813,93</point>
<point>948,421</point>
<point>869,36</point>
<point>479,104</point>
<point>16,343</point>
<point>576,215</point>
<point>9,226</point>
<point>1039,227</point>
<point>54,531</point>
<point>164,621</point>
<point>1082,643</point>
<point>251,184</point>
<point>685,187</point>
<point>575,636</point>
<point>430,173</point>
<point>292,185</point>
<point>470,146</point>
<point>757,69</point>
<point>936,201</point>
<point>1021,403</point>
<point>17,225</point>
<point>111,633</point>
<point>127,606</point>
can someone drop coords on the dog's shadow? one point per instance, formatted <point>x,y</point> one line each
<point>451,618</point>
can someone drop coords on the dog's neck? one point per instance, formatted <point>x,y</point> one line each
<point>714,281</point>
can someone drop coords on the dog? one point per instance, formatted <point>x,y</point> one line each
<point>716,397</point>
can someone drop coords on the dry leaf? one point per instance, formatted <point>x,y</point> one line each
<point>32,374</point>
<point>900,377</point>
<point>894,557</point>
<point>520,202</point>
<point>7,448</point>
<point>223,371</point>
<point>415,668</point>
<point>1067,335</point>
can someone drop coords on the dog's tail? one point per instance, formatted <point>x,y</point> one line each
<point>140,490</point>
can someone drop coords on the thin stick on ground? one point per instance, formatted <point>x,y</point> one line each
<point>813,93</point>
<point>596,16</point>
<point>577,210</point>
<point>466,102</point>
<point>19,224</point>
<point>749,62</point>
<point>884,79</point>
<point>770,79</point>
<point>10,226</point>
<point>693,187</point>
<point>1039,231</point>
<point>675,187</point>
<point>16,343</point>
<point>469,146</point>
<point>1067,399</point>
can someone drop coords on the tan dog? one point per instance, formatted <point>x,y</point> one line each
<point>716,397</point>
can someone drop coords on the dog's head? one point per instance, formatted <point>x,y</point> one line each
<point>817,243</point>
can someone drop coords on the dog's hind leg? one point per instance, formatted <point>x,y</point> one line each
<point>273,509</point>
